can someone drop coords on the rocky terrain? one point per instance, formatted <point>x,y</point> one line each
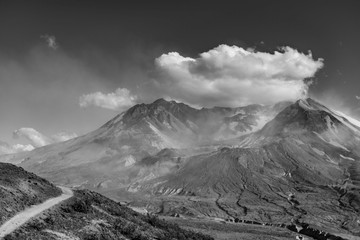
<point>293,168</point>
<point>20,189</point>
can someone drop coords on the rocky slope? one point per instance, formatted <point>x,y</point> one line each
<point>20,189</point>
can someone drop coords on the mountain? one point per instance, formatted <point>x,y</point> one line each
<point>301,168</point>
<point>290,165</point>
<point>141,132</point>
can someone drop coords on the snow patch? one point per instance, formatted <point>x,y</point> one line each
<point>347,158</point>
<point>353,121</point>
<point>336,144</point>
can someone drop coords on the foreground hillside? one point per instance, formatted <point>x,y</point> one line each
<point>88,215</point>
<point>20,189</point>
<point>81,215</point>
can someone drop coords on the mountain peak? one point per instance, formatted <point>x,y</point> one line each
<point>160,101</point>
<point>158,109</point>
<point>304,114</point>
<point>311,104</point>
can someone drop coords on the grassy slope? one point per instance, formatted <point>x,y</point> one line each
<point>20,189</point>
<point>89,215</point>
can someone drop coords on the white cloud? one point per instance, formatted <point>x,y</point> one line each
<point>23,147</point>
<point>34,137</point>
<point>37,139</point>
<point>50,41</point>
<point>5,148</point>
<point>233,76</point>
<point>118,100</point>
<point>357,97</point>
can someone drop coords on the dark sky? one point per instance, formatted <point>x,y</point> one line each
<point>114,44</point>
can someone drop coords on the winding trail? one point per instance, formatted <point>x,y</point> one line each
<point>22,217</point>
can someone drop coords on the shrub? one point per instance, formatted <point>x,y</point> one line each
<point>80,206</point>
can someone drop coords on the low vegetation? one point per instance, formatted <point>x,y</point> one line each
<point>91,216</point>
<point>20,189</point>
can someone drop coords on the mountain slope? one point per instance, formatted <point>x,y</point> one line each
<point>141,132</point>
<point>20,189</point>
<point>302,167</point>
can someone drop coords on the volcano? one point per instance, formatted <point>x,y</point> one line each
<point>301,167</point>
<point>288,164</point>
<point>141,132</point>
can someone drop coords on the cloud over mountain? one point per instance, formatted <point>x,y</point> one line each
<point>6,148</point>
<point>22,147</point>
<point>34,137</point>
<point>118,100</point>
<point>233,76</point>
<point>38,139</point>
